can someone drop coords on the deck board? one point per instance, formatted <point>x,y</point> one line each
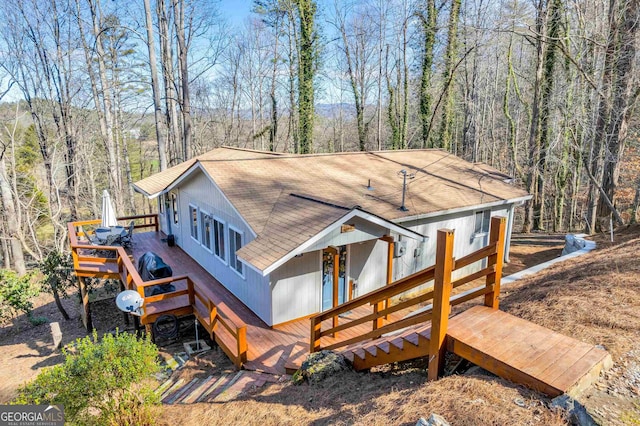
<point>522,351</point>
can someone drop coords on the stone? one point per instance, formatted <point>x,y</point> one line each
<point>56,333</point>
<point>433,420</point>
<point>578,414</point>
<point>320,365</point>
<point>572,244</point>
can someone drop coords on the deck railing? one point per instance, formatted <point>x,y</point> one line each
<point>438,312</point>
<point>222,324</point>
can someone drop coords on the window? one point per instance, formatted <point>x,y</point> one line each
<point>174,206</point>
<point>235,243</point>
<point>483,219</point>
<point>218,240</point>
<point>206,231</point>
<point>193,216</point>
<point>161,203</point>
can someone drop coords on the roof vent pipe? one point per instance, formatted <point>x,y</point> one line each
<point>369,187</point>
<point>405,175</point>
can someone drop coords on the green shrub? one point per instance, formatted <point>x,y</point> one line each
<point>104,382</point>
<point>15,294</point>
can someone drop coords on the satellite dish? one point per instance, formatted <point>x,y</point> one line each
<point>131,302</point>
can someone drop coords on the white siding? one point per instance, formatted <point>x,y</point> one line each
<point>465,241</point>
<point>252,289</point>
<point>296,287</point>
<point>364,231</point>
<point>368,266</point>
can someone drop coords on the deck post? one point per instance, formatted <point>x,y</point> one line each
<point>316,327</point>
<point>336,280</point>
<point>156,223</point>
<point>390,246</point>
<point>85,312</point>
<point>497,235</point>
<point>441,306</point>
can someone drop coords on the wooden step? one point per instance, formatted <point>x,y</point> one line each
<point>181,392</point>
<point>198,390</point>
<point>220,396</point>
<point>174,388</point>
<point>211,390</point>
<point>163,387</point>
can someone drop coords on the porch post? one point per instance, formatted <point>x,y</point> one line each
<point>389,240</point>
<point>336,279</point>
<point>496,235</point>
<point>441,304</point>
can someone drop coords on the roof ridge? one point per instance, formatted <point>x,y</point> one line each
<point>321,201</point>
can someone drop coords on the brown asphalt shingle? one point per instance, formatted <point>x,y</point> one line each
<point>260,185</point>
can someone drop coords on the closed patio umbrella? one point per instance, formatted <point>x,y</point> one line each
<point>108,213</point>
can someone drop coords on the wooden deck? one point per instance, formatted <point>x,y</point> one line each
<point>524,352</point>
<point>367,330</point>
<point>269,348</point>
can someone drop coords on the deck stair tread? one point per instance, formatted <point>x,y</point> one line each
<point>523,351</point>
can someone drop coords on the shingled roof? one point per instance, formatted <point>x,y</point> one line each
<point>288,198</point>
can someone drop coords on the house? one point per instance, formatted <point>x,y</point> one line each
<point>272,227</point>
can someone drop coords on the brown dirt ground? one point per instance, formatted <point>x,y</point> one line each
<point>594,298</point>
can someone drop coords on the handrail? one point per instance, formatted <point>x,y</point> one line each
<point>439,272</point>
<point>129,276</point>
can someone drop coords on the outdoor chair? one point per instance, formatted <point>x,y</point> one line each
<point>127,239</point>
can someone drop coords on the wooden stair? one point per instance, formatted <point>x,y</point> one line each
<point>410,343</point>
<point>215,388</point>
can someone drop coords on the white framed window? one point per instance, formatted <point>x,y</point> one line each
<point>219,243</point>
<point>206,230</point>
<point>174,206</point>
<point>235,243</point>
<point>193,221</point>
<point>482,221</point>
<point>161,203</point>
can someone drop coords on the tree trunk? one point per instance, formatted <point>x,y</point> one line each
<point>446,123</point>
<point>11,220</point>
<point>429,30</point>
<point>183,50</point>
<point>157,107</point>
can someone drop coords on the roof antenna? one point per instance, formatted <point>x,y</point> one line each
<point>369,187</point>
<point>405,175</point>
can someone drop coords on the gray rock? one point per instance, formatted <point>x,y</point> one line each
<point>320,365</point>
<point>56,334</point>
<point>572,244</point>
<point>578,414</point>
<point>433,420</point>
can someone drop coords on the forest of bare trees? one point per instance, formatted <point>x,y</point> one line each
<point>97,94</point>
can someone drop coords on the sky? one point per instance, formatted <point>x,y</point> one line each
<point>236,10</point>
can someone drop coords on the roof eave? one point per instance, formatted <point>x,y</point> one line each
<point>463,209</point>
<point>354,212</point>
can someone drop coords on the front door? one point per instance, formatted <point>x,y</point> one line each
<point>328,260</point>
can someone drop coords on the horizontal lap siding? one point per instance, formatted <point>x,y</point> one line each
<point>253,290</point>
<point>296,288</point>
<point>368,266</point>
<point>465,242</point>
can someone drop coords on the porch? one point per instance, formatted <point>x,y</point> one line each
<point>244,337</point>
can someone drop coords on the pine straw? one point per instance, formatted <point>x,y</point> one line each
<point>399,398</point>
<point>594,298</point>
